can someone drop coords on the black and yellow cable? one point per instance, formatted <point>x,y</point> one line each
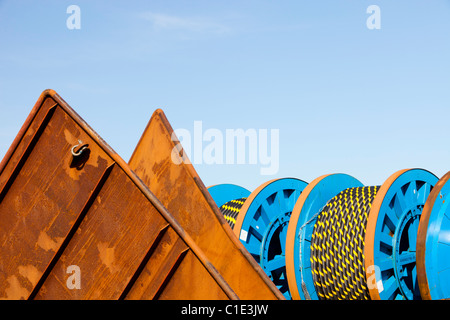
<point>230,210</point>
<point>337,245</point>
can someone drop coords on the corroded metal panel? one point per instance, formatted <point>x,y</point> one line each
<point>161,163</point>
<point>68,200</point>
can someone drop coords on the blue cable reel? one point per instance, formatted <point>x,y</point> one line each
<point>378,261</point>
<point>222,193</point>
<point>433,243</point>
<point>298,241</point>
<point>262,224</point>
<point>229,198</point>
<point>391,235</point>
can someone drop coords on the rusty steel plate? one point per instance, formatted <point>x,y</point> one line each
<point>78,223</point>
<point>161,163</point>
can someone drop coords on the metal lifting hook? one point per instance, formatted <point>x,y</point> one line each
<point>80,150</point>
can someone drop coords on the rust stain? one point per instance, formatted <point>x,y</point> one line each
<point>70,138</point>
<point>47,243</point>
<point>15,291</point>
<point>107,256</point>
<point>31,273</point>
<point>73,173</point>
<point>21,199</point>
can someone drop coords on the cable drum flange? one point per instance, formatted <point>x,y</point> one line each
<point>222,193</point>
<point>262,225</point>
<point>433,243</point>
<point>391,235</point>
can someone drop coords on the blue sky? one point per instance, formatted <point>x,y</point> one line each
<point>344,98</point>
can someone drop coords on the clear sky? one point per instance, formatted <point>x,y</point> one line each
<point>344,98</point>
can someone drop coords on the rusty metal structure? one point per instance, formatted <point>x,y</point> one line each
<point>68,200</point>
<point>161,163</point>
<point>150,229</point>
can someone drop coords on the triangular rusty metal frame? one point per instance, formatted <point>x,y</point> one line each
<point>157,170</point>
<point>233,274</point>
